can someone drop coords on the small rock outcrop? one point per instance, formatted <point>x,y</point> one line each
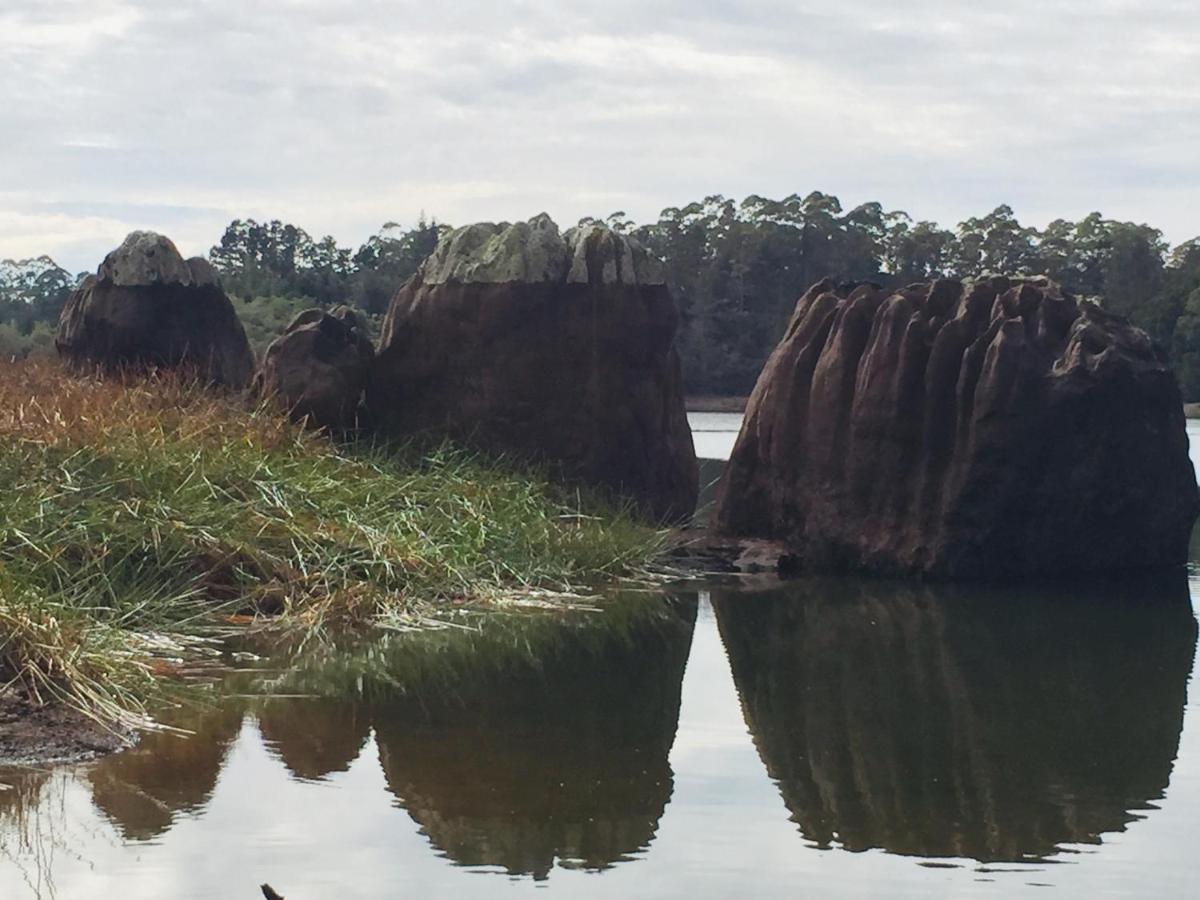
<point>556,348</point>
<point>148,306</point>
<point>318,367</point>
<point>988,429</point>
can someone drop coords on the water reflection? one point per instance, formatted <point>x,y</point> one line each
<point>568,762</point>
<point>956,722</point>
<point>144,790</point>
<point>545,742</point>
<point>935,722</point>
<point>314,737</point>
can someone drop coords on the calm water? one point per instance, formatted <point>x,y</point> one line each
<point>714,433</point>
<point>827,738</point>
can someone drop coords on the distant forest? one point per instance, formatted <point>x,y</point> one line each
<point>736,270</point>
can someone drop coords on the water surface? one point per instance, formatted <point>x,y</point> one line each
<point>827,737</point>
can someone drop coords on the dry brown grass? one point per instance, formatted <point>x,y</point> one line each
<point>42,402</point>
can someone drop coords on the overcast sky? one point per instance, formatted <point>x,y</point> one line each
<point>339,116</point>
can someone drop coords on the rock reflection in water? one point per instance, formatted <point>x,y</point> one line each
<point>143,790</point>
<point>562,762</point>
<point>314,737</point>
<point>521,746</point>
<point>957,722</point>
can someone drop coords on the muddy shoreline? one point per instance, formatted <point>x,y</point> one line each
<point>33,734</point>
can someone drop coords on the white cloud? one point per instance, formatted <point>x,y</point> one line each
<point>340,116</point>
<point>63,236</point>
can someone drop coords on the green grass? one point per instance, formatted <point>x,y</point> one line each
<point>139,515</point>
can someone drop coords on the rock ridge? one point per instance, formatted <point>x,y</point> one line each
<point>536,252</point>
<point>993,428</point>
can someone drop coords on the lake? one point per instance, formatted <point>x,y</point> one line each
<point>828,737</point>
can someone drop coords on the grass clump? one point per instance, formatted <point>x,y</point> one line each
<point>138,512</point>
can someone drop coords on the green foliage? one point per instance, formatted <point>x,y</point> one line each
<point>389,259</point>
<point>37,342</point>
<point>275,259</point>
<point>264,318</point>
<point>736,271</point>
<point>142,509</point>
<point>32,295</point>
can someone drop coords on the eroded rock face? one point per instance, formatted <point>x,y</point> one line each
<point>147,305</point>
<point>990,429</point>
<point>318,367</point>
<point>557,348</point>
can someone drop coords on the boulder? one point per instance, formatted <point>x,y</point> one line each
<point>555,348</point>
<point>988,429</point>
<point>148,306</point>
<point>318,367</point>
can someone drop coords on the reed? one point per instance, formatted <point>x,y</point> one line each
<point>143,512</point>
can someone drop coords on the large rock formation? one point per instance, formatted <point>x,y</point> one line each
<point>318,367</point>
<point>148,306</point>
<point>556,348</point>
<point>990,429</point>
<point>963,721</point>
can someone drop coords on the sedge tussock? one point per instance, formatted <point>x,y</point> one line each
<point>141,506</point>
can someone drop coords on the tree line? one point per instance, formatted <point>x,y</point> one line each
<point>735,269</point>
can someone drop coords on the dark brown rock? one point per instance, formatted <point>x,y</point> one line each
<point>147,306</point>
<point>318,367</point>
<point>990,429</point>
<point>553,348</point>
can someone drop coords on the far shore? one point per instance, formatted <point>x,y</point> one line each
<point>738,404</point>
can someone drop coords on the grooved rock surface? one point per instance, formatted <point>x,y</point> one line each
<point>988,429</point>
<point>557,348</point>
<point>318,367</point>
<point>147,305</point>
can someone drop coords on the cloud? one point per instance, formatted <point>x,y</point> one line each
<point>340,116</point>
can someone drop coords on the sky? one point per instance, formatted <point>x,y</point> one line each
<point>341,116</point>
